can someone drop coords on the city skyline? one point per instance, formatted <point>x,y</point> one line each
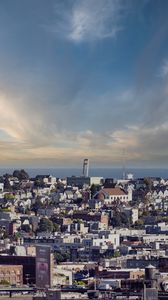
<point>84,78</point>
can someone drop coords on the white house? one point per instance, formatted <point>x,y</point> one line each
<point>110,195</point>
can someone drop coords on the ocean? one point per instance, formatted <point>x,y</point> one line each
<point>103,172</point>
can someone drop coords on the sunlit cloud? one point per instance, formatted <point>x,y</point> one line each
<point>30,137</point>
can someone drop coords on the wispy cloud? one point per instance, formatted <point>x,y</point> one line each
<point>34,136</point>
<point>88,20</point>
<point>164,69</point>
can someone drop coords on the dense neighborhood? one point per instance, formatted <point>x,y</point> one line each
<point>103,234</point>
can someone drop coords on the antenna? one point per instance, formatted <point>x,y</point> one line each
<point>123,164</point>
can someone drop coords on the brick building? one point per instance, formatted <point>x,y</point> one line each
<point>13,274</point>
<point>28,263</point>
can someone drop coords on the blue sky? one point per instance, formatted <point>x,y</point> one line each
<point>83,78</point>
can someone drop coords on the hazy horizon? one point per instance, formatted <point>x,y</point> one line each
<point>102,172</point>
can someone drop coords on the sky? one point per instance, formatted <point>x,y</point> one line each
<point>83,79</point>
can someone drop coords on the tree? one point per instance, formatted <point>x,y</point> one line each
<point>16,236</point>
<point>139,223</point>
<point>56,227</point>
<point>8,196</point>
<point>38,204</point>
<point>60,257</point>
<point>78,201</point>
<point>116,221</point>
<point>94,189</point>
<point>39,181</point>
<point>148,182</point>
<point>21,174</point>
<point>7,185</point>
<point>26,228</point>
<point>4,282</point>
<point>46,225</point>
<point>124,219</point>
<point>79,282</point>
<point>119,219</point>
<point>116,254</point>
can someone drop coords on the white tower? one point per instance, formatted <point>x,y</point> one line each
<point>85,167</point>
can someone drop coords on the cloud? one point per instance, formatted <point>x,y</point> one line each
<point>149,57</point>
<point>23,119</point>
<point>60,104</point>
<point>43,132</point>
<point>164,69</point>
<point>88,20</point>
<point>34,135</point>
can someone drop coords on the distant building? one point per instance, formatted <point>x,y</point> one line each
<point>96,180</point>
<point>122,274</point>
<point>130,176</point>
<point>47,179</point>
<point>28,263</point>
<point>78,181</point>
<point>44,265</point>
<point>85,172</point>
<point>13,274</point>
<point>132,213</point>
<point>109,183</point>
<point>141,262</point>
<point>111,194</point>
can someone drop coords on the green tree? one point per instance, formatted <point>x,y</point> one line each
<point>16,236</point>
<point>56,227</point>
<point>139,223</point>
<point>4,282</point>
<point>21,174</point>
<point>116,254</point>
<point>39,181</point>
<point>124,219</point>
<point>119,219</point>
<point>80,282</point>
<point>94,189</point>
<point>46,225</point>
<point>7,186</point>
<point>26,228</point>
<point>60,257</point>
<point>116,220</point>
<point>9,196</point>
<point>38,204</point>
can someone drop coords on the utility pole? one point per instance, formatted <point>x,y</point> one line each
<point>144,295</point>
